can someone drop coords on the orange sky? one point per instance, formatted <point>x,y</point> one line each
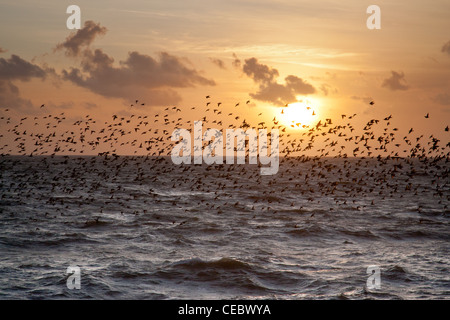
<point>174,53</point>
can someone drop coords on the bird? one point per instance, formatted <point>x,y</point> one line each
<point>301,177</point>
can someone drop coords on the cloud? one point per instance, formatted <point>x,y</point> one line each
<point>236,62</point>
<point>298,85</point>
<point>443,99</point>
<point>395,82</point>
<point>259,72</point>
<point>269,89</point>
<point>218,63</point>
<point>10,97</point>
<point>82,38</point>
<point>138,75</point>
<point>17,68</point>
<point>274,93</point>
<point>446,48</point>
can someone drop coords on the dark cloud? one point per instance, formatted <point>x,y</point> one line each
<point>139,74</point>
<point>259,72</point>
<point>269,89</point>
<point>15,68</point>
<point>10,97</point>
<point>298,85</point>
<point>395,82</point>
<point>446,48</point>
<point>218,63</point>
<point>274,93</point>
<point>81,39</point>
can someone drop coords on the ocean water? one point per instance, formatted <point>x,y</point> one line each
<point>144,228</point>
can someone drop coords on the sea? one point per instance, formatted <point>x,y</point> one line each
<point>145,228</point>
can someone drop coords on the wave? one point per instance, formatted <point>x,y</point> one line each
<point>307,231</point>
<point>223,264</point>
<point>365,234</point>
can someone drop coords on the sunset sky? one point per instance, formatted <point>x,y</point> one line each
<point>174,53</point>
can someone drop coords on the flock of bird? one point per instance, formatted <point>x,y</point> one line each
<point>346,162</point>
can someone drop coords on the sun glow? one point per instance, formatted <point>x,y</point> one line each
<point>299,115</point>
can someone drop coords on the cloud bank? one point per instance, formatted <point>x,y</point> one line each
<point>139,76</point>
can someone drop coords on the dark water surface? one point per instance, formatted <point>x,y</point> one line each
<point>144,228</point>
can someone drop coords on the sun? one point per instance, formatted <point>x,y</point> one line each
<point>299,115</point>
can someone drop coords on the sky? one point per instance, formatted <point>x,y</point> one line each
<point>261,54</point>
